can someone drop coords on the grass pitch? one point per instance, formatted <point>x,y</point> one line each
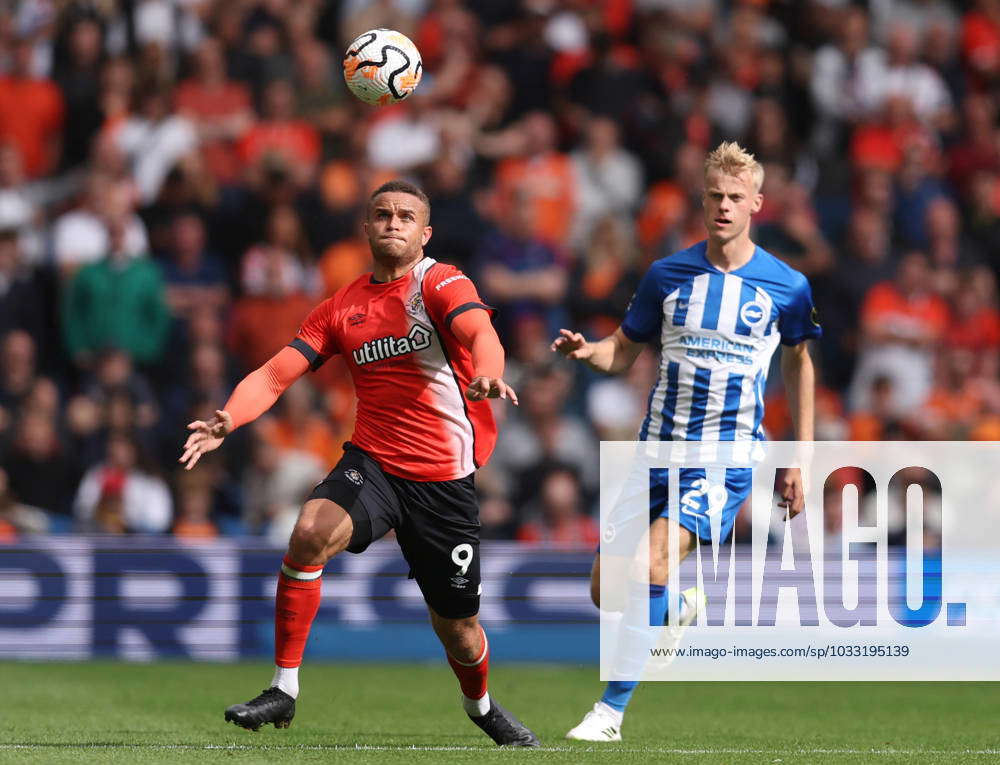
<point>172,713</point>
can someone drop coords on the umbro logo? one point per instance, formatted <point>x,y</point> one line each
<point>356,319</point>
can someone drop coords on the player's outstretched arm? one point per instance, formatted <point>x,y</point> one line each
<point>475,332</point>
<point>255,394</point>
<point>613,355</point>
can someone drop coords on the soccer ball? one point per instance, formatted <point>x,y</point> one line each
<point>382,67</point>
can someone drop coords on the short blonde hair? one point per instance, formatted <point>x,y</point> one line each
<point>732,159</point>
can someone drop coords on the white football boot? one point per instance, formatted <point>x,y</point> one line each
<point>670,639</point>
<point>602,723</point>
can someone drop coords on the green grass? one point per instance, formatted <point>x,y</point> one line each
<point>172,713</point>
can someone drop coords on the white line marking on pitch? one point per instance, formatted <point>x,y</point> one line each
<point>605,749</point>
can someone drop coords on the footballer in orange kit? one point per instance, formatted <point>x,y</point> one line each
<point>424,357</point>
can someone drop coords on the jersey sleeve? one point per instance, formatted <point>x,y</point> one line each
<point>798,320</point>
<point>449,293</point>
<point>645,311</point>
<point>316,338</point>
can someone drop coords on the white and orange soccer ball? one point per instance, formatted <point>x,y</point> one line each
<point>382,67</point>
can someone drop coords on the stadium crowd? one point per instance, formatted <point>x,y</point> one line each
<point>181,181</point>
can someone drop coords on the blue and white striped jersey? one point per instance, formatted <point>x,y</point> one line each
<point>717,333</point>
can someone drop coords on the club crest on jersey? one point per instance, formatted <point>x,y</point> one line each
<point>356,319</point>
<point>752,313</point>
<point>354,476</point>
<point>382,348</point>
<point>415,305</point>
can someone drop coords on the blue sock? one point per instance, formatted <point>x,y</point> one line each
<point>634,642</point>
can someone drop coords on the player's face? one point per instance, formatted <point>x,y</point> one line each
<point>728,202</point>
<point>397,226</point>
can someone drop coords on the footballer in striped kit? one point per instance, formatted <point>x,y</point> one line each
<point>717,312</point>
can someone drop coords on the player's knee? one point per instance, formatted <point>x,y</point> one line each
<point>659,570</point>
<point>308,543</point>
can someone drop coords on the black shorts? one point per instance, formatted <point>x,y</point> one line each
<point>436,523</point>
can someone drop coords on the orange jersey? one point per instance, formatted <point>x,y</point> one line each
<point>410,371</point>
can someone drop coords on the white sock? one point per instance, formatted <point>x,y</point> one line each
<point>613,713</point>
<point>287,680</point>
<point>476,707</point>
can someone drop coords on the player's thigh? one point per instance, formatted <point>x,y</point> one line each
<point>439,538</point>
<point>362,490</point>
<point>708,500</point>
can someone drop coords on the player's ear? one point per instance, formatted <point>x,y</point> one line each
<point>426,236</point>
<point>758,200</point>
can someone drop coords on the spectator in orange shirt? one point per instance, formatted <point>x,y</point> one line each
<point>544,176</point>
<point>280,138</point>
<point>31,113</point>
<point>261,324</point>
<point>194,504</point>
<point>981,41</point>
<point>956,402</point>
<point>976,323</point>
<point>343,262</point>
<point>220,109</point>
<point>902,322</point>
<point>560,518</point>
<point>298,426</point>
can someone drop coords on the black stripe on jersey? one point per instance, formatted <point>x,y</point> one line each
<point>466,307</point>
<point>312,356</point>
<point>451,368</point>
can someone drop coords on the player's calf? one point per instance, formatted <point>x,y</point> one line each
<point>322,530</point>
<point>468,651</point>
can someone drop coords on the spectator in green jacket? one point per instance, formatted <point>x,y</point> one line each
<point>118,302</point>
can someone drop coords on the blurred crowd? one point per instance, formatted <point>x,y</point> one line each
<point>182,180</point>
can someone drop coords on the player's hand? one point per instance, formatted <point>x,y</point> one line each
<point>207,437</point>
<point>793,494</point>
<point>490,387</point>
<point>572,345</point>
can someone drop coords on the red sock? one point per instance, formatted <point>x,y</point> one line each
<point>472,675</point>
<point>295,608</point>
